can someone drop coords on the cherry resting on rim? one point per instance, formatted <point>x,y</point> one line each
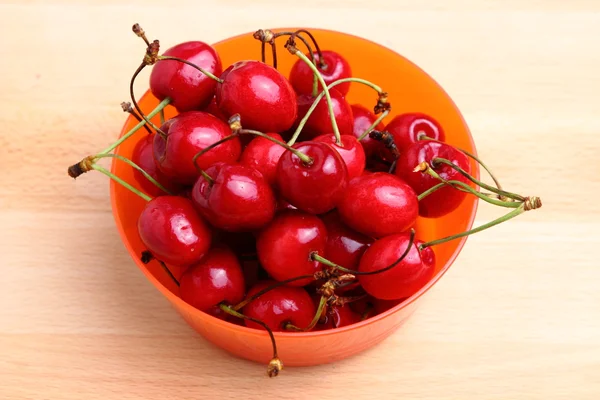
<point>445,199</point>
<point>188,134</point>
<point>216,279</point>
<point>258,92</point>
<point>344,245</point>
<point>351,151</point>
<point>319,121</point>
<point>173,231</point>
<point>143,157</point>
<point>284,246</point>
<point>337,317</point>
<point>336,67</point>
<point>188,88</point>
<point>238,199</point>
<point>263,155</point>
<point>363,119</point>
<point>279,306</point>
<point>379,204</point>
<point>406,128</point>
<point>403,280</point>
<point>316,187</point>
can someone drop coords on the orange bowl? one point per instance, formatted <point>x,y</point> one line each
<point>410,89</point>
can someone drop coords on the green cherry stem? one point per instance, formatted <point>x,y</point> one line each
<point>206,150</point>
<point>255,296</point>
<point>202,70</point>
<point>126,106</point>
<point>315,320</point>
<point>303,157</point>
<point>374,124</point>
<point>120,181</point>
<point>162,116</point>
<point>137,167</point>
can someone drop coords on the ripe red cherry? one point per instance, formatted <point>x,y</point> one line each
<point>143,157</point>
<point>258,92</point>
<point>284,247</point>
<point>187,135</point>
<point>351,151</point>
<point>446,199</point>
<point>263,155</point>
<point>406,128</point>
<point>337,317</point>
<point>379,204</point>
<point>213,109</point>
<point>218,278</point>
<point>279,306</point>
<point>173,231</point>
<point>239,198</point>
<point>188,88</point>
<point>401,281</point>
<point>344,245</point>
<point>363,119</point>
<point>319,121</point>
<point>314,188</point>
<point>336,67</point>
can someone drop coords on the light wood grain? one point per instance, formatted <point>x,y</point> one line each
<point>517,316</point>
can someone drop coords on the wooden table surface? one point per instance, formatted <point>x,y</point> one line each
<point>516,317</point>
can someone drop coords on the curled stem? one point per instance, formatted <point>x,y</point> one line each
<point>315,320</point>
<point>206,150</point>
<point>137,167</point>
<point>136,105</point>
<point>121,182</point>
<point>250,299</point>
<point>202,70</point>
<point>374,124</point>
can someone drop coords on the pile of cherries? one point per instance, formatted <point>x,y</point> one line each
<point>287,207</point>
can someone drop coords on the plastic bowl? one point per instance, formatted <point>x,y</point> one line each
<point>410,89</point>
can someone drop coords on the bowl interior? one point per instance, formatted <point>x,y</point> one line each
<point>410,89</point>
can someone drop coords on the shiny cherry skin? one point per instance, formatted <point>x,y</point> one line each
<point>187,135</point>
<point>406,128</point>
<point>319,121</point>
<point>143,157</point>
<point>258,92</point>
<point>279,306</point>
<point>213,109</point>
<point>238,200</point>
<point>345,246</point>
<point>337,317</point>
<point>188,88</point>
<point>336,67</point>
<point>379,204</point>
<point>363,119</point>
<point>173,232</point>
<point>446,199</point>
<point>284,246</point>
<point>217,278</point>
<point>283,204</point>
<point>263,155</point>
<point>406,278</point>
<point>315,188</point>
<point>351,151</point>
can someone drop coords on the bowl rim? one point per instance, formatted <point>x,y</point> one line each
<point>371,320</point>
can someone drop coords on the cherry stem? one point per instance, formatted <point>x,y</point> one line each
<point>303,157</point>
<point>314,256</point>
<point>256,295</point>
<point>531,203</point>
<point>321,95</point>
<point>128,109</point>
<point>120,181</point>
<point>205,72</point>
<point>137,167</point>
<point>275,365</point>
<point>315,320</point>
<point>476,181</point>
<point>168,271</point>
<point>374,125</point>
<point>206,150</point>
<point>162,116</point>
<point>136,105</point>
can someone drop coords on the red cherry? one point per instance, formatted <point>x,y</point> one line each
<point>380,306</point>
<point>337,317</point>
<point>187,135</point>
<point>336,67</point>
<point>401,281</point>
<point>363,119</point>
<point>218,278</point>
<point>279,306</point>
<point>188,88</point>
<point>314,188</point>
<point>446,199</point>
<point>239,198</point>
<point>263,155</point>
<point>319,121</point>
<point>143,157</point>
<point>344,245</point>
<point>379,204</point>
<point>405,128</point>
<point>262,96</point>
<point>173,231</point>
<point>283,204</point>
<point>284,247</point>
<point>214,110</point>
<point>351,151</point>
